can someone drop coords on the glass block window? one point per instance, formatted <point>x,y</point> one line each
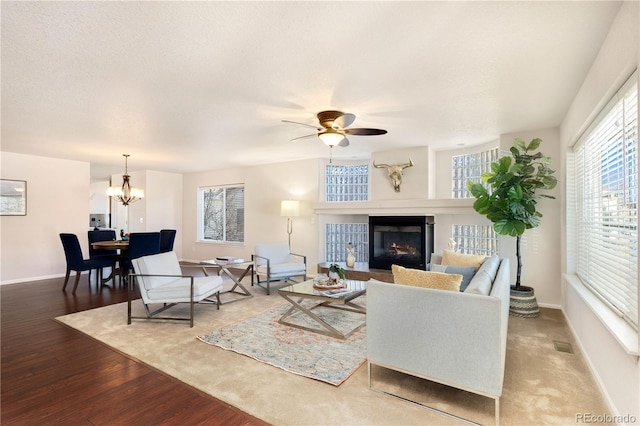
<point>475,239</point>
<point>470,167</point>
<point>347,183</point>
<point>337,235</point>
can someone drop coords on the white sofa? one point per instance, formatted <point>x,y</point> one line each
<point>454,338</point>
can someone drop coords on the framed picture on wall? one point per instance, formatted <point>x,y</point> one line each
<point>13,197</point>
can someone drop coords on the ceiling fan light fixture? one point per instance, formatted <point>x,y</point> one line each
<point>331,137</point>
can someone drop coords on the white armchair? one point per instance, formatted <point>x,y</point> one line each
<point>161,281</point>
<point>274,262</point>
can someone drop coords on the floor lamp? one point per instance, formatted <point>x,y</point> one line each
<point>289,209</point>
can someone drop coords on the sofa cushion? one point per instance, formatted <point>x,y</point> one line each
<point>427,279</point>
<point>467,272</point>
<point>179,290</point>
<point>458,259</point>
<point>480,284</point>
<point>490,266</point>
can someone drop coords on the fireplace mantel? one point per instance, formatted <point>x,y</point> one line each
<point>397,207</point>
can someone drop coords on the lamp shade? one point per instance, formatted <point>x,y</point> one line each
<point>289,208</point>
<point>330,137</point>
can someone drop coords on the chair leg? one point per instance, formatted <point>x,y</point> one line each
<point>75,285</point>
<point>66,279</point>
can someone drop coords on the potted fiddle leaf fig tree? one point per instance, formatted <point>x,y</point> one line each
<point>515,183</point>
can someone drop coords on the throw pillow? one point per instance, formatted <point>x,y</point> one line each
<point>467,272</point>
<point>458,259</point>
<point>426,279</point>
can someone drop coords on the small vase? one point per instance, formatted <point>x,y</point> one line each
<point>351,260</point>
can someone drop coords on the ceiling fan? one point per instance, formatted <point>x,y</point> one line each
<point>335,128</point>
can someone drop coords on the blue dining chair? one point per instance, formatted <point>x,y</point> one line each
<point>142,244</point>
<point>167,237</point>
<point>102,235</point>
<point>76,262</point>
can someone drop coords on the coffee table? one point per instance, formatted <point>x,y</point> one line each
<point>296,294</point>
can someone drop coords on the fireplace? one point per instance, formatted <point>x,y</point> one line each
<point>400,240</point>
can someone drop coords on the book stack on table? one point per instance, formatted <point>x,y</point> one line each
<point>227,260</point>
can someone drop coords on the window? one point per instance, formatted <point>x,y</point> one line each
<point>221,213</point>
<point>475,239</point>
<point>605,178</point>
<point>337,235</point>
<point>470,167</point>
<point>347,183</point>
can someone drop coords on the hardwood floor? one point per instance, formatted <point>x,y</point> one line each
<point>52,374</point>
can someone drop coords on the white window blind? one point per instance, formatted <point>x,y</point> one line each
<point>606,186</point>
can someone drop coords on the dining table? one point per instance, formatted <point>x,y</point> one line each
<point>123,248</point>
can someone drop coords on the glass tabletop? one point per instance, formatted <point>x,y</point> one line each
<point>306,288</point>
<point>230,262</point>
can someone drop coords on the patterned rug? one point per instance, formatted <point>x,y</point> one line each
<point>294,350</point>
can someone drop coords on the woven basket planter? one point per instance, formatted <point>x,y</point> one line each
<point>523,303</point>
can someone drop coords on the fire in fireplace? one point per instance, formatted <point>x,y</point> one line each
<point>400,240</point>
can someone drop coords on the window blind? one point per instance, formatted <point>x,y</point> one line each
<point>606,188</point>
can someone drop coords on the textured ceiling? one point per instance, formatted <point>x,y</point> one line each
<point>190,86</point>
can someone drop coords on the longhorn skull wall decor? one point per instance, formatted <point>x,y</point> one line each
<point>395,172</point>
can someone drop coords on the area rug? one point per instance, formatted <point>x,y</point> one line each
<point>542,385</point>
<point>294,350</point>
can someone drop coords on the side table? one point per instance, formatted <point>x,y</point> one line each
<point>223,266</point>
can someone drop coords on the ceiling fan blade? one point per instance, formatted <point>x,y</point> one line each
<point>303,124</point>
<point>345,120</point>
<point>303,137</point>
<point>344,143</point>
<point>365,132</point>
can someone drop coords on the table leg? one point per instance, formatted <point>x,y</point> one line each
<point>328,329</point>
<point>245,293</point>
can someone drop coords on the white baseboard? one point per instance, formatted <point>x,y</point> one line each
<point>29,279</point>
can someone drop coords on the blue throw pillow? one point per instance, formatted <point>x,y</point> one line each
<point>467,272</point>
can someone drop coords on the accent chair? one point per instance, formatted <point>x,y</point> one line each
<point>275,262</point>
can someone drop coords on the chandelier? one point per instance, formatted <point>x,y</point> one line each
<point>125,194</point>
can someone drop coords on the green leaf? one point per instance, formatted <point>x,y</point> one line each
<point>481,205</point>
<point>550,182</point>
<point>486,176</point>
<point>509,227</point>
<point>519,144</point>
<point>477,190</point>
<point>505,163</point>
<point>515,193</point>
<point>534,144</point>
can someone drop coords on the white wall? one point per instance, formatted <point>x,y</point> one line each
<point>617,372</point>
<point>265,186</point>
<point>57,202</point>
<point>415,181</point>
